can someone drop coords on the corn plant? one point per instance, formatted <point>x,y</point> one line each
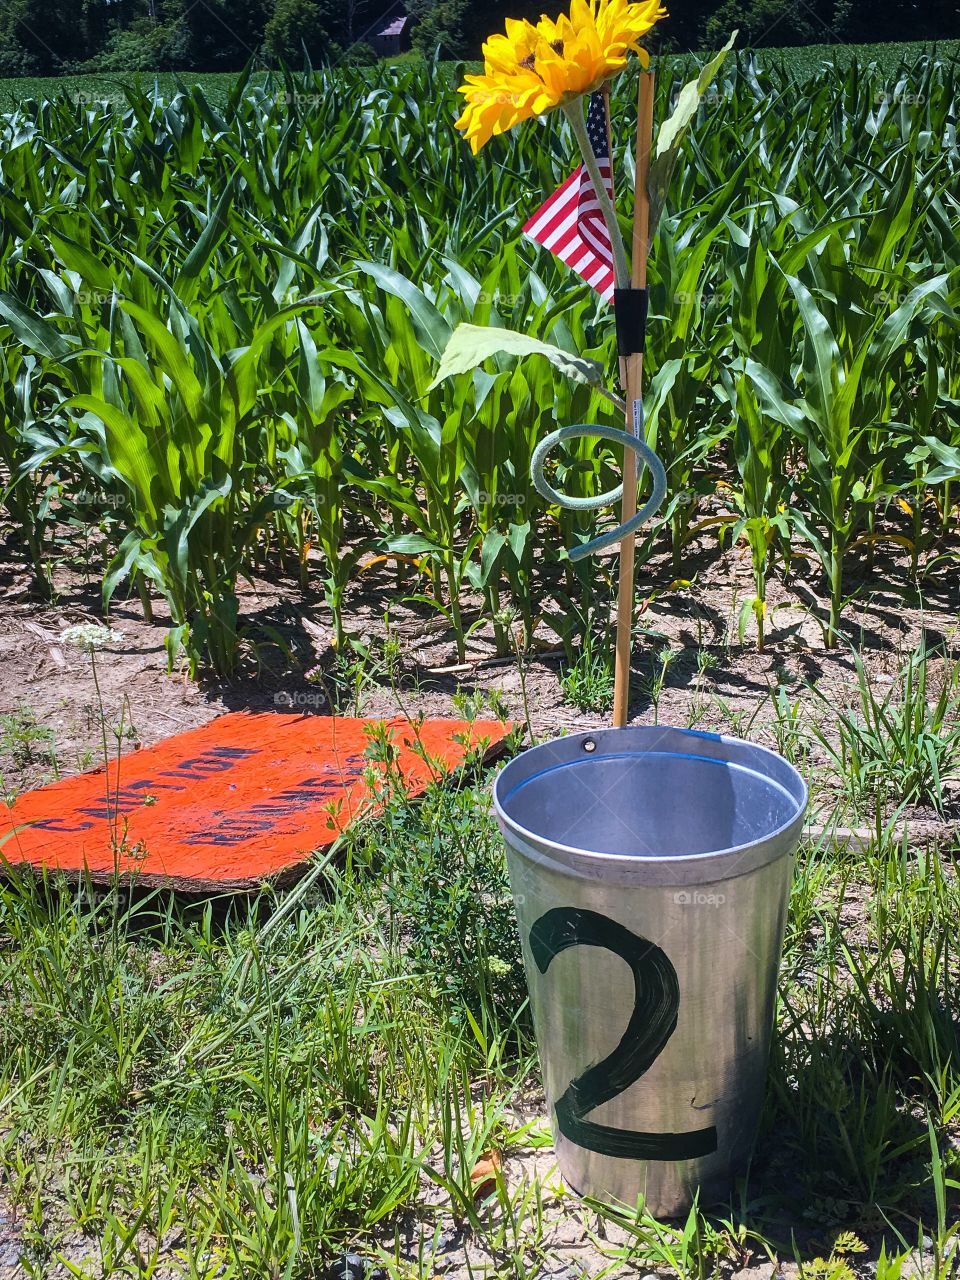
<point>792,367</point>
<point>313,445</point>
<point>760,448</point>
<point>31,429</point>
<point>168,419</point>
<point>845,387</point>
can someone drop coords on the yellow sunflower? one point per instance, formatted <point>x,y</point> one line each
<point>533,69</point>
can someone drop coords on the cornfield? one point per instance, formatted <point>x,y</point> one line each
<point>219,326</point>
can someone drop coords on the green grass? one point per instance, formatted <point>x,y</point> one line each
<point>256,1088</point>
<point>902,747</point>
<point>587,682</point>
<point>216,85</point>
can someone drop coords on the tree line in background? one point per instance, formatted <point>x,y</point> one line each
<point>52,37</point>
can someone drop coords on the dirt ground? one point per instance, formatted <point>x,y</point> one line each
<point>62,710</point>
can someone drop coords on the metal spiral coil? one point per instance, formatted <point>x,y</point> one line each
<point>645,457</point>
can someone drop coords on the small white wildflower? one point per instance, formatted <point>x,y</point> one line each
<point>90,635</point>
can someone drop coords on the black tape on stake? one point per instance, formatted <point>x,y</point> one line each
<point>630,312</point>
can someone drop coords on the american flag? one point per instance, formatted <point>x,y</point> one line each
<point>571,223</point>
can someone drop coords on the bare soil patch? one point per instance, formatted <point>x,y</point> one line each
<point>690,667</point>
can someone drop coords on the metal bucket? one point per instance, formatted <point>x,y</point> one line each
<point>651,872</point>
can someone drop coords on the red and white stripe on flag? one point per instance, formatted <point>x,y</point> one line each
<point>571,223</point>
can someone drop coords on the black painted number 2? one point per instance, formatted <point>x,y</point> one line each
<point>652,1023</point>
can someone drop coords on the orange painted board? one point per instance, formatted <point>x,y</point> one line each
<point>245,798</point>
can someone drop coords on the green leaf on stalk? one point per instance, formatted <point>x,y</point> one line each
<point>431,327</point>
<point>949,459</point>
<point>471,344</point>
<point>35,333</point>
<point>672,132</point>
<point>75,257</point>
<point>493,543</point>
<point>128,451</point>
<point>134,554</point>
<point>213,233</point>
<point>821,361</point>
<point>412,544</point>
<point>180,523</point>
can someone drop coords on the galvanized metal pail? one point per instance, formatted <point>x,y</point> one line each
<point>651,871</point>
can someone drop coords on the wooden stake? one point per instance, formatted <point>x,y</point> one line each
<point>634,384</point>
<point>613,192</point>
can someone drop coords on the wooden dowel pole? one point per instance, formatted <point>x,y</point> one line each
<point>634,389</point>
<point>613,192</point>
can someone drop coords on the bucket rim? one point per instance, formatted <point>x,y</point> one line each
<point>573,853</point>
